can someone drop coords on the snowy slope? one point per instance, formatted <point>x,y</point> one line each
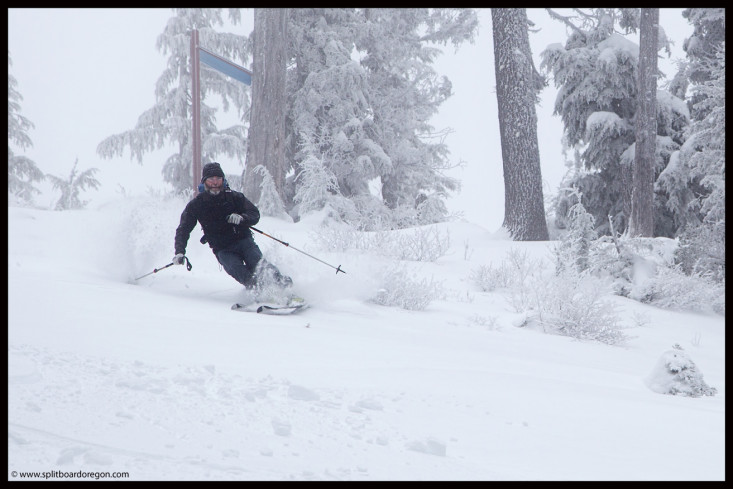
<point>160,379</point>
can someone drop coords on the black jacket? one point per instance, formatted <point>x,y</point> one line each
<point>211,211</point>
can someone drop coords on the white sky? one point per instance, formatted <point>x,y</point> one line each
<point>86,74</point>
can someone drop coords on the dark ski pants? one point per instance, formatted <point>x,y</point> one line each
<point>240,260</point>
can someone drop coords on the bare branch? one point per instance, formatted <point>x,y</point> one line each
<point>565,20</point>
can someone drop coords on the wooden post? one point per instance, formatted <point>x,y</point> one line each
<point>196,111</point>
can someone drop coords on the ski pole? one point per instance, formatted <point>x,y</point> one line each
<point>156,270</point>
<point>338,269</point>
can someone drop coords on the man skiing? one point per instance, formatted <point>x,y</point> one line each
<point>225,216</point>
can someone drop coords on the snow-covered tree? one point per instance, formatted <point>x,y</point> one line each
<point>269,202</point>
<point>169,120</point>
<point>524,214</point>
<point>397,48</point>
<point>574,246</point>
<point>329,147</point>
<point>22,171</point>
<point>702,49</point>
<point>597,72</point>
<point>702,166</point>
<point>362,90</point>
<point>72,185</point>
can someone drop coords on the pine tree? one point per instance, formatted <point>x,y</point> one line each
<point>398,47</point>
<point>524,215</point>
<point>701,49</point>
<point>22,171</point>
<point>71,186</point>
<point>366,120</point>
<point>169,120</point>
<point>330,128</point>
<point>702,165</point>
<point>597,73</point>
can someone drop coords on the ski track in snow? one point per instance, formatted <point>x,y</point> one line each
<point>201,403</point>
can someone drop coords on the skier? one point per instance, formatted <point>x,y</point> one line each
<point>225,216</point>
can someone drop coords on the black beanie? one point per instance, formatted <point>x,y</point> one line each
<point>211,170</point>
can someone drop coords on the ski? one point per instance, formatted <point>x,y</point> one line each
<point>293,305</point>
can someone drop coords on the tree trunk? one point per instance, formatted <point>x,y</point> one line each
<point>266,142</point>
<point>524,212</point>
<point>642,193</point>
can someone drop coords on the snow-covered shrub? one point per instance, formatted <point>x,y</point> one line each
<point>572,304</point>
<point>675,373</point>
<point>671,288</point>
<point>401,288</point>
<point>573,249</point>
<point>426,243</point>
<point>489,278</point>
<point>525,278</point>
<point>702,251</point>
<point>517,273</point>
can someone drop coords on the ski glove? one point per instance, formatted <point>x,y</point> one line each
<point>179,259</point>
<point>235,219</point>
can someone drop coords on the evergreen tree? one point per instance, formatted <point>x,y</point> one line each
<point>524,215</point>
<point>328,111</point>
<point>702,48</point>
<point>22,171</point>
<point>597,73</point>
<point>71,186</point>
<point>169,120</point>
<point>702,165</point>
<point>398,47</point>
<point>365,119</point>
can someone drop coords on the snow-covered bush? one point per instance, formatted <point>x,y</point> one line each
<point>517,272</point>
<point>426,243</point>
<point>489,278</point>
<point>574,246</point>
<point>568,303</point>
<point>402,288</point>
<point>675,373</point>
<point>702,251</point>
<point>671,288</point>
<point>572,304</point>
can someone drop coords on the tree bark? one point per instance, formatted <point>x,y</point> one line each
<point>267,119</point>
<point>642,193</point>
<point>524,212</point>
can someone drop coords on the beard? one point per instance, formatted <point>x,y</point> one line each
<point>213,190</point>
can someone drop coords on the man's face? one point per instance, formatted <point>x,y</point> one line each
<point>214,184</point>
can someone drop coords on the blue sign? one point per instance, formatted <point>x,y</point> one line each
<point>225,66</point>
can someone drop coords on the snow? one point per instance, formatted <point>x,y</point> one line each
<point>618,43</point>
<point>159,379</point>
